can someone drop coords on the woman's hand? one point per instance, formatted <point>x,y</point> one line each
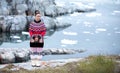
<point>31,40</point>
<point>41,40</point>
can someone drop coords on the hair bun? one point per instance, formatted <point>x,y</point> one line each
<point>37,12</point>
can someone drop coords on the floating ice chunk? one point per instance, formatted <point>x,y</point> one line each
<point>19,41</point>
<point>25,33</point>
<point>100,30</point>
<point>67,41</point>
<point>88,24</point>
<point>70,33</point>
<point>87,32</point>
<point>94,14</point>
<point>63,45</point>
<point>17,37</point>
<point>115,12</point>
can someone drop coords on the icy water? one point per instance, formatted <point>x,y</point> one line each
<point>96,32</point>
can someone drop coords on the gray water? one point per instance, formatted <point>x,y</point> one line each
<point>96,32</point>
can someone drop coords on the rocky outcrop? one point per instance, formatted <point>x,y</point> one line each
<point>24,9</point>
<point>49,7</point>
<point>13,23</point>
<point>22,55</point>
<point>13,7</point>
<point>19,23</point>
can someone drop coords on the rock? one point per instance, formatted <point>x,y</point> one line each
<point>46,52</point>
<point>68,51</point>
<point>7,57</point>
<point>3,8</point>
<point>21,55</point>
<point>49,8</point>
<point>4,11</point>
<point>13,23</point>
<point>61,51</point>
<point>19,23</point>
<point>51,11</point>
<point>61,10</point>
<point>17,2</point>
<point>21,8</point>
<point>77,7</point>
<point>53,51</point>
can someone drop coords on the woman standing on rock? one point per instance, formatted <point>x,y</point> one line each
<point>37,31</point>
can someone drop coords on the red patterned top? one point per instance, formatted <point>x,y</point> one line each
<point>37,28</point>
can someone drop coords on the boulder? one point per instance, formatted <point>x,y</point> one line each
<point>21,55</point>
<point>61,11</point>
<point>13,23</point>
<point>51,11</point>
<point>19,23</point>
<point>46,52</point>
<point>4,11</point>
<point>7,57</point>
<point>21,8</point>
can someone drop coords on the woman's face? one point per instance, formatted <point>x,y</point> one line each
<point>37,17</point>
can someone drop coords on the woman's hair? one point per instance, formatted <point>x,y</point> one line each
<point>37,12</point>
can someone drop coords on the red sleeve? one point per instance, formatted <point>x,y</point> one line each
<point>43,33</point>
<point>30,32</point>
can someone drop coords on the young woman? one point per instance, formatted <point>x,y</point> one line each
<point>37,31</point>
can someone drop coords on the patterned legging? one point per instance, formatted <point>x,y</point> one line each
<point>36,53</point>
